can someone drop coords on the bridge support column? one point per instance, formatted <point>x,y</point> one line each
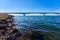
<point>23,14</point>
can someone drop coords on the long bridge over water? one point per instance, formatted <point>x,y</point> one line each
<point>35,14</point>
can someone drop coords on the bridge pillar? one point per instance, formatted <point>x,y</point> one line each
<point>23,14</point>
<point>44,14</point>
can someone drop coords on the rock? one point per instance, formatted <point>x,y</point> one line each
<point>7,29</point>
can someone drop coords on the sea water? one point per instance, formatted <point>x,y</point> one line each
<point>32,22</point>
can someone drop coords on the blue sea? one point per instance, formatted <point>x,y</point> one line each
<point>32,22</point>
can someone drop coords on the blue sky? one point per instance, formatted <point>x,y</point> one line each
<point>29,5</point>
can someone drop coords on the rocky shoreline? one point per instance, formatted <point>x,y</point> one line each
<point>9,32</point>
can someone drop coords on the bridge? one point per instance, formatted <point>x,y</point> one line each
<point>35,14</point>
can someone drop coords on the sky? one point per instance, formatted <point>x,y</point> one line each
<point>29,5</point>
